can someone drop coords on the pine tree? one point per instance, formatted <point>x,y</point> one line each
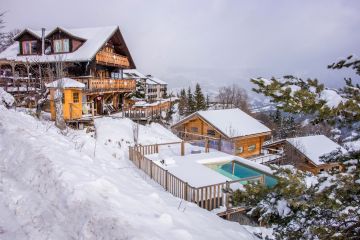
<point>139,90</point>
<point>182,102</point>
<point>326,206</point>
<point>190,107</point>
<point>199,99</point>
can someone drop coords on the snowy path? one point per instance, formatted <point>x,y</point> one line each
<point>52,187</point>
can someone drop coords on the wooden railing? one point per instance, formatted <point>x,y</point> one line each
<point>112,59</point>
<point>207,197</point>
<point>95,85</point>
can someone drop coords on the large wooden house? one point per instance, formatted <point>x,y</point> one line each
<point>94,57</point>
<point>232,130</point>
<point>305,152</point>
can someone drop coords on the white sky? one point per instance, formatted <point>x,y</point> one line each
<point>214,42</point>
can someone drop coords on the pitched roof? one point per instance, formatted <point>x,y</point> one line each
<point>158,81</point>
<point>231,123</point>
<point>314,146</point>
<point>133,73</point>
<point>95,38</point>
<point>66,83</point>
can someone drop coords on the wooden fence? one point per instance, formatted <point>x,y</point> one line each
<point>207,197</point>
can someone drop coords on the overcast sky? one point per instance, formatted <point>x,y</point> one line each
<point>214,42</point>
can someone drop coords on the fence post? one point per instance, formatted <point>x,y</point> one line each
<point>262,179</point>
<point>130,154</point>
<point>206,144</point>
<point>151,167</point>
<point>182,153</point>
<point>186,191</point>
<point>166,180</point>
<point>233,167</point>
<point>227,186</point>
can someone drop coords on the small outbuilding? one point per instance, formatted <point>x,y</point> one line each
<point>233,130</point>
<point>305,152</point>
<point>71,98</point>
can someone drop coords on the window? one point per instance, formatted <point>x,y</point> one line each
<point>75,97</point>
<point>194,129</point>
<point>211,132</point>
<point>61,45</point>
<point>251,147</point>
<point>29,47</point>
<point>240,150</point>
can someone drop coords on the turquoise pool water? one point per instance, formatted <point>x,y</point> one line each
<point>242,171</point>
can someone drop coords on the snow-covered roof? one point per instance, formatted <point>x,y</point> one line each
<point>94,38</point>
<point>65,83</point>
<point>133,73</point>
<point>314,146</point>
<point>158,81</point>
<point>231,122</point>
<point>150,82</point>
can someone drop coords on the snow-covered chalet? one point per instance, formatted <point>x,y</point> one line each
<point>94,57</point>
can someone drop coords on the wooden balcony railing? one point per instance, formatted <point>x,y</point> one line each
<point>97,85</point>
<point>112,59</point>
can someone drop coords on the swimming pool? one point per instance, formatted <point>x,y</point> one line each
<point>241,171</point>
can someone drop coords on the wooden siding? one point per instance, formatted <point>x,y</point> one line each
<point>245,143</point>
<point>202,128</point>
<point>71,110</point>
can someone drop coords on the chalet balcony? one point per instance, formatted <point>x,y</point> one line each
<point>107,85</point>
<point>112,59</point>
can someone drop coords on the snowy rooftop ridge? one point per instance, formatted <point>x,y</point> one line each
<point>232,122</point>
<point>95,38</point>
<point>313,147</point>
<point>65,83</point>
<point>133,73</point>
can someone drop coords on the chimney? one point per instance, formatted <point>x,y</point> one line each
<point>42,41</point>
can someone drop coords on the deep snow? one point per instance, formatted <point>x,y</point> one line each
<point>72,186</point>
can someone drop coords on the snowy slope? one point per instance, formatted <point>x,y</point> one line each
<point>70,186</point>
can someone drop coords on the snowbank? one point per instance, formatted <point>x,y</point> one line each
<point>73,187</point>
<point>6,98</point>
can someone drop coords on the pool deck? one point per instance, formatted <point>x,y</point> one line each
<point>191,167</point>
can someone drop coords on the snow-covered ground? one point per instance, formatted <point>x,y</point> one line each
<point>74,186</point>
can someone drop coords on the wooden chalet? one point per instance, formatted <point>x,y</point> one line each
<point>95,57</point>
<point>229,130</point>
<point>305,152</point>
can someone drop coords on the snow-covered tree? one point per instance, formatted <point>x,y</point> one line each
<point>303,206</point>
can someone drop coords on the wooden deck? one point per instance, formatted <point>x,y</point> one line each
<point>95,85</point>
<point>112,59</point>
<point>207,197</point>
